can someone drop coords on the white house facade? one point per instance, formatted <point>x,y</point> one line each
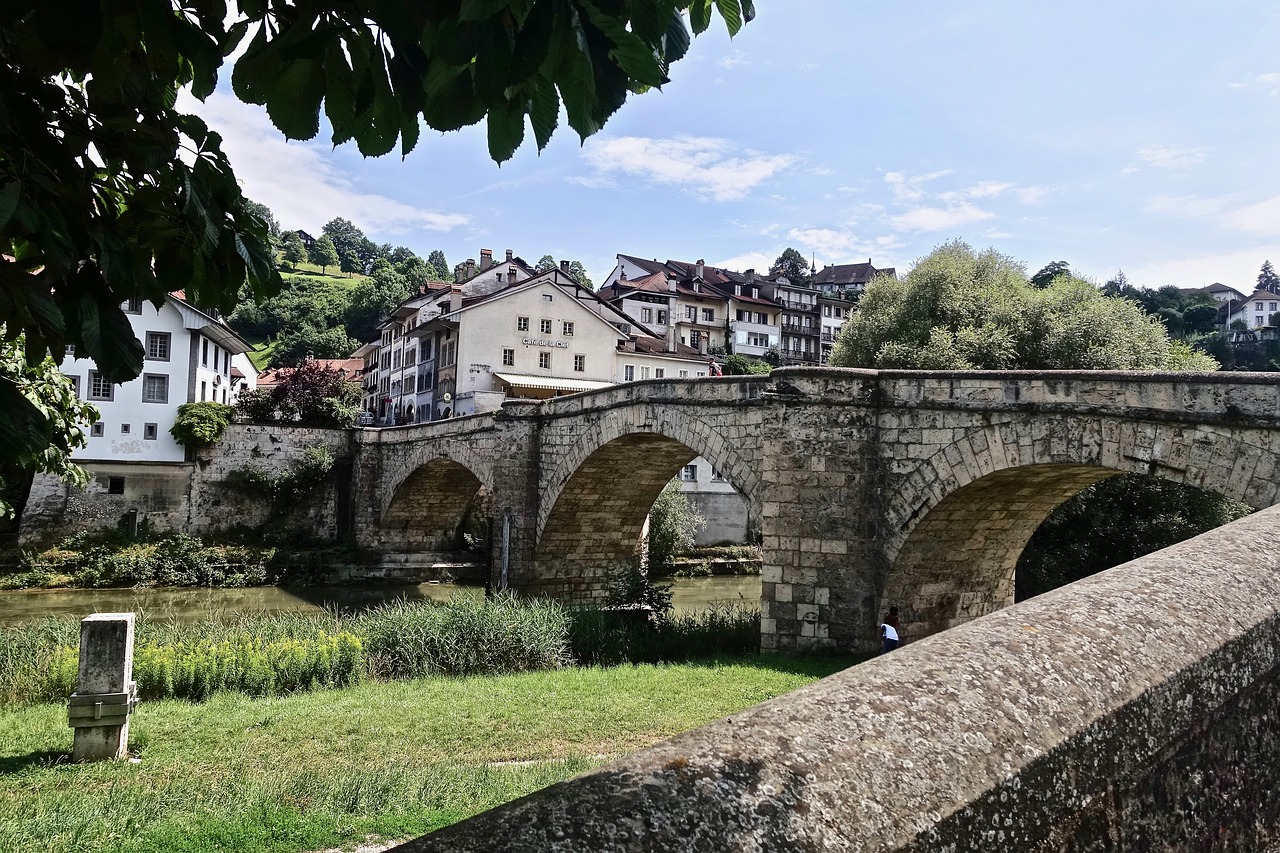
<point>190,356</point>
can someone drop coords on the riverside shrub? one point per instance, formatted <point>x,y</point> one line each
<point>464,637</point>
<point>248,665</point>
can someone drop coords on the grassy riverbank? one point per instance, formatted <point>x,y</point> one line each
<point>274,654</point>
<point>389,759</point>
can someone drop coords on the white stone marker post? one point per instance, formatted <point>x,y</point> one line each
<point>105,692</point>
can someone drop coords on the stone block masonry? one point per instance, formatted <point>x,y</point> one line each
<point>1135,710</point>
<point>872,489</point>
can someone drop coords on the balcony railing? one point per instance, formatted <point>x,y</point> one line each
<point>801,355</point>
<point>800,328</point>
<point>795,305</point>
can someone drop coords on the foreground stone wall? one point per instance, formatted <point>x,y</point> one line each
<point>215,507</point>
<point>159,493</point>
<point>192,497</point>
<point>1135,710</point>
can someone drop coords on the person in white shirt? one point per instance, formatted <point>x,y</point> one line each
<point>889,630</point>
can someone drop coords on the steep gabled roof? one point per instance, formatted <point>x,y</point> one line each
<point>843,275</point>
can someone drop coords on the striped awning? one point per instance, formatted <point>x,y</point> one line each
<point>550,383</point>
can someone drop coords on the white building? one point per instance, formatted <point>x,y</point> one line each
<point>1255,311</point>
<point>191,356</point>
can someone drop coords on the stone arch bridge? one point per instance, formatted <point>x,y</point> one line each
<point>871,487</point>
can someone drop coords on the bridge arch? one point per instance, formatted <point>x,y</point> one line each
<point>430,496</point>
<point>964,517</point>
<point>599,494</point>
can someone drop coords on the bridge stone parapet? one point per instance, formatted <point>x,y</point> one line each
<point>871,488</point>
<point>1138,709</point>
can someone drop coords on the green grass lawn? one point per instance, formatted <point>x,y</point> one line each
<point>311,270</point>
<point>391,760</point>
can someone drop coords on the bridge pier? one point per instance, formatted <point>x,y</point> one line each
<point>873,488</point>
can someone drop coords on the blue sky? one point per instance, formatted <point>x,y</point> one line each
<point>1138,135</point>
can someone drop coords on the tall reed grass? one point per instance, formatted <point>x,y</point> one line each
<point>270,654</point>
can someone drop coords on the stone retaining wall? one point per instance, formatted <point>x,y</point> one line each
<point>1135,710</point>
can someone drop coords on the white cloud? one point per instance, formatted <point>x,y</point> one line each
<point>707,166</point>
<point>829,243</point>
<point>1031,195</point>
<point>1269,81</point>
<point>825,241</point>
<point>911,188</point>
<point>1171,156</point>
<point>758,261</point>
<point>998,235</point>
<point>733,61</point>
<point>1189,206</point>
<point>988,189</point>
<point>1259,217</point>
<point>1234,269</point>
<point>1262,217</point>
<point>940,218</point>
<point>298,181</point>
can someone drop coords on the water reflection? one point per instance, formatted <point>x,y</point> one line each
<point>187,604</point>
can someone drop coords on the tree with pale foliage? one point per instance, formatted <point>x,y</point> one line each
<point>958,309</point>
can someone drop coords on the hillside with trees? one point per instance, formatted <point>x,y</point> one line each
<point>325,313</point>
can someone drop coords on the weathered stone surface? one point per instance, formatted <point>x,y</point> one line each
<point>1135,710</point>
<point>105,667</point>
<point>915,489</point>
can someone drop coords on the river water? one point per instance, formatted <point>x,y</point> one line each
<point>188,604</point>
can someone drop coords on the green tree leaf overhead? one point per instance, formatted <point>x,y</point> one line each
<point>109,193</point>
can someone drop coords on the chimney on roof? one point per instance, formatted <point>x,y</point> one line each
<point>459,272</point>
<point>751,275</point>
<point>471,267</point>
<point>508,256</point>
<point>511,272</point>
<point>699,268</point>
<point>455,299</point>
<point>564,267</point>
<point>622,276</point>
<point>671,283</point>
<point>486,259</point>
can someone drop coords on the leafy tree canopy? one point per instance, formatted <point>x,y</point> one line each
<point>46,430</point>
<point>108,192</point>
<point>295,251</point>
<point>792,264</point>
<point>1051,271</point>
<point>301,342</point>
<point>264,213</point>
<point>443,270</point>
<point>961,310</point>
<point>312,394</point>
<point>323,253</point>
<point>1267,278</point>
<point>372,300</point>
<point>577,271</point>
